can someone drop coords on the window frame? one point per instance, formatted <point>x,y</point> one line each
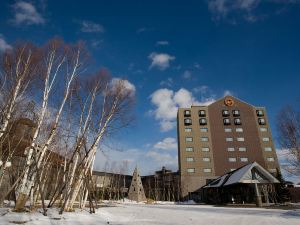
<point>200,114</point>
<point>229,139</point>
<point>226,123</point>
<point>190,170</point>
<point>225,113</point>
<point>192,148</point>
<point>187,114</point>
<point>191,138</point>
<point>202,123</point>
<point>231,159</point>
<point>236,110</point>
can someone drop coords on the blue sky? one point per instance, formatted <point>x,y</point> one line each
<point>175,53</point>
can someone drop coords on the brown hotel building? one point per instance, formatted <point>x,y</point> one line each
<point>221,137</point>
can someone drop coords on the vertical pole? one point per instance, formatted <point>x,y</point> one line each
<point>257,196</point>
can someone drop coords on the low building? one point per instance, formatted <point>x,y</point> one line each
<point>164,185</point>
<point>248,184</point>
<point>111,185</point>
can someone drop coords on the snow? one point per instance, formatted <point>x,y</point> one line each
<point>128,213</point>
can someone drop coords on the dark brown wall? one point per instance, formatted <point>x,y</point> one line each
<point>220,145</point>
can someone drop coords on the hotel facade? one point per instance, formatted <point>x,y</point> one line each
<point>221,137</point>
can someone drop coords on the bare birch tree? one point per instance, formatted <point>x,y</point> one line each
<point>288,126</point>
<point>60,63</point>
<point>110,112</point>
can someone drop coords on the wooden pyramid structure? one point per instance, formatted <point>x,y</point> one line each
<point>136,190</point>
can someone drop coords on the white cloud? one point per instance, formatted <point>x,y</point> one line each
<point>168,143</point>
<point>168,82</point>
<point>91,27</point>
<point>163,43</point>
<point>201,89</point>
<point>160,60</point>
<point>96,43</point>
<point>129,88</point>
<point>164,159</point>
<point>227,92</point>
<point>187,74</point>
<point>222,9</point>
<point>26,13</point>
<point>125,160</point>
<point>3,44</point>
<point>167,102</point>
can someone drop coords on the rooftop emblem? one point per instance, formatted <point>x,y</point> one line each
<point>229,101</point>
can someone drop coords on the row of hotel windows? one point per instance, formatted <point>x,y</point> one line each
<point>230,159</point>
<point>192,170</point>
<point>229,149</point>
<point>226,121</point>
<point>201,113</point>
<point>188,122</point>
<point>225,113</point>
<point>228,139</point>
<point>208,170</point>
<point>227,130</point>
<point>234,113</point>
<point>237,121</point>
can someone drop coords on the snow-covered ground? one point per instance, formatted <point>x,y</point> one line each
<point>171,214</point>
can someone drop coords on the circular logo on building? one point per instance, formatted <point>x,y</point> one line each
<point>229,101</point>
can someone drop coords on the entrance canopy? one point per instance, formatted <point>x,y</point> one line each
<point>249,174</point>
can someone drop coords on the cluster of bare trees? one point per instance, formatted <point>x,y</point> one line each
<point>288,126</point>
<point>68,114</point>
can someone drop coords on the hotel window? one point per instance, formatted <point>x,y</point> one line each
<point>190,159</point>
<point>225,113</point>
<point>237,121</point>
<point>190,170</point>
<point>202,113</point>
<point>226,121</point>
<point>263,129</point>
<point>236,112</point>
<point>204,139</point>
<point>205,149</point>
<point>229,139</point>
<point>232,159</point>
<point>187,112</point>
<point>202,121</point>
<point>206,159</point>
<point>270,159</point>
<point>259,113</point>
<point>242,149</point>
<point>207,170</point>
<point>227,130</point>
<point>188,139</point>
<point>266,139</point>
<point>230,149</point>
<point>244,159</point>
<point>268,149</point>
<point>189,149</point>
<point>240,139</point>
<point>187,122</point>
<point>187,129</point>
<point>203,130</point>
<point>239,130</point>
<point>261,121</point>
